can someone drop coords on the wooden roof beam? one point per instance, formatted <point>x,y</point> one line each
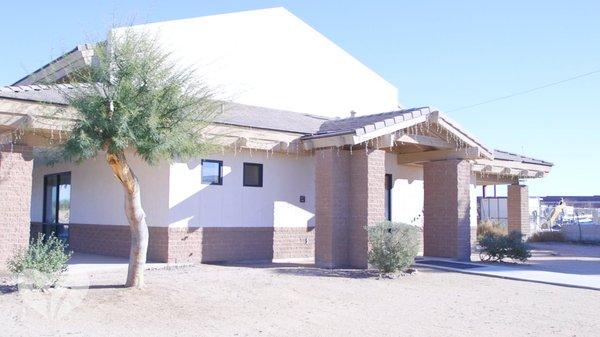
<point>426,156</point>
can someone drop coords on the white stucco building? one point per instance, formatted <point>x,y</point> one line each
<point>298,176</point>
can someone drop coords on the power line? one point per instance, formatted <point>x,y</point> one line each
<point>526,91</point>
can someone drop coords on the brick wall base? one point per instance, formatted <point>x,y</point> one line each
<point>115,241</point>
<point>16,166</point>
<point>223,244</point>
<point>195,245</point>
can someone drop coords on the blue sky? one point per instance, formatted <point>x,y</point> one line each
<point>444,54</point>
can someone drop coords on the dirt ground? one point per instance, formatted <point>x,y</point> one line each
<point>287,300</point>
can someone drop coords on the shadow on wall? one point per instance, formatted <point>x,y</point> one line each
<point>9,165</point>
<point>226,244</point>
<point>254,239</point>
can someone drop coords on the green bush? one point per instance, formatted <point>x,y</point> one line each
<point>393,246</point>
<point>548,236</point>
<point>44,261</point>
<point>496,247</point>
<point>490,227</point>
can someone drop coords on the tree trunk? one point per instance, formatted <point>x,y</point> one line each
<point>135,216</point>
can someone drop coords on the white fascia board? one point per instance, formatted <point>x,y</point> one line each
<point>514,165</point>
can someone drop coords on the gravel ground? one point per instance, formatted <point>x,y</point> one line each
<point>276,300</point>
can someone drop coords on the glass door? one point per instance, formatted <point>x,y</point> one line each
<point>57,205</point>
<point>388,197</point>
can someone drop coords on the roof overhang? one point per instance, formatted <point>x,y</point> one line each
<point>398,130</point>
<point>34,123</point>
<point>451,142</point>
<point>45,125</point>
<point>494,172</point>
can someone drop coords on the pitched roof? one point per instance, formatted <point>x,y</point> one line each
<point>36,93</point>
<point>233,113</point>
<point>368,127</point>
<point>363,124</point>
<point>81,53</point>
<point>311,126</point>
<point>503,155</point>
<point>273,119</point>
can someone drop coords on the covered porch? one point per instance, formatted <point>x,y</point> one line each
<point>350,166</point>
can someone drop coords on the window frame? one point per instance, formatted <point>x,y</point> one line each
<point>220,162</point>
<point>260,174</point>
<point>55,228</point>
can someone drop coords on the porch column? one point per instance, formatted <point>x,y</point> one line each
<point>349,196</point>
<point>446,209</point>
<point>367,201</point>
<point>16,167</point>
<point>517,205</point>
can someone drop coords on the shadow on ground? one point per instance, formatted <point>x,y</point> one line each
<point>11,288</point>
<point>302,269</point>
<point>318,272</point>
<point>8,288</point>
<point>564,258</point>
<point>308,269</point>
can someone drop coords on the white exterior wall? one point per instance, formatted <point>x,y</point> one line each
<point>97,197</point>
<point>267,57</point>
<point>407,191</point>
<point>285,179</point>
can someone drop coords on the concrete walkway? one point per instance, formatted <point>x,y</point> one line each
<point>551,263</point>
<point>93,264</point>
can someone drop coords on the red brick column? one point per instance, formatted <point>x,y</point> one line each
<point>518,209</point>
<point>16,166</point>
<point>332,211</point>
<point>367,201</point>
<point>447,224</point>
<point>349,196</point>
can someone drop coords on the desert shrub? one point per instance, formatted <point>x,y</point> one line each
<point>393,246</point>
<point>43,262</point>
<point>548,236</point>
<point>490,227</point>
<point>496,247</point>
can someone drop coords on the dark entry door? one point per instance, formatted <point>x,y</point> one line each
<point>388,197</point>
<point>57,205</point>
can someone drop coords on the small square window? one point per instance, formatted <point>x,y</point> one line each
<point>253,174</point>
<point>212,172</point>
